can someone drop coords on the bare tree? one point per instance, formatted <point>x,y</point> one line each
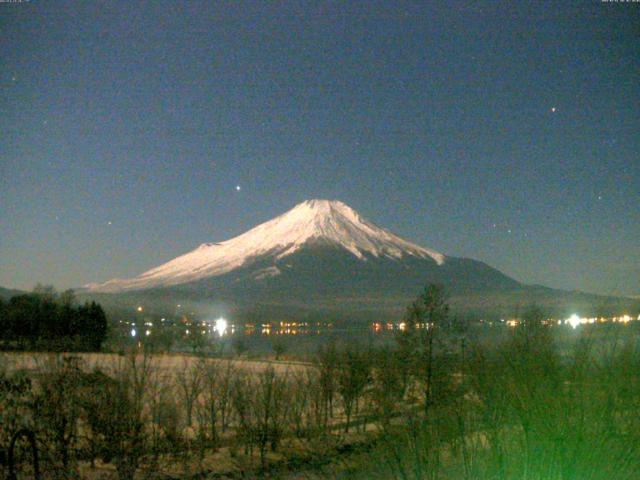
<point>212,391</point>
<point>117,414</point>
<point>241,392</point>
<point>16,401</point>
<point>354,373</point>
<point>300,394</point>
<point>327,364</point>
<point>270,403</point>
<point>227,376</point>
<point>57,409</point>
<point>388,385</point>
<point>189,382</point>
<point>157,391</point>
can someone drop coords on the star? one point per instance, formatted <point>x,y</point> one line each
<point>553,109</point>
<point>237,188</point>
<point>109,223</point>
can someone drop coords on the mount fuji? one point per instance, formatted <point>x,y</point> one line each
<point>310,224</point>
<point>319,256</point>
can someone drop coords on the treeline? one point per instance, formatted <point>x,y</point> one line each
<point>46,320</point>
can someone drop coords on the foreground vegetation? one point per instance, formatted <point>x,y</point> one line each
<point>532,402</point>
<point>525,408</point>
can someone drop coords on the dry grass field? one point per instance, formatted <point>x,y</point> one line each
<point>169,363</point>
<point>198,415</point>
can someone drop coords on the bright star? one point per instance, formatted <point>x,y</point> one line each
<point>237,188</point>
<point>553,109</point>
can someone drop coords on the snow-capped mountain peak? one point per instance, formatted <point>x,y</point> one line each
<point>313,221</point>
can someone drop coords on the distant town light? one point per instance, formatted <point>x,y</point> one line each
<point>139,308</point>
<point>133,332</point>
<point>220,326</point>
<point>147,333</point>
<point>574,320</point>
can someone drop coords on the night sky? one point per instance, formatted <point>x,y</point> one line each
<point>506,132</point>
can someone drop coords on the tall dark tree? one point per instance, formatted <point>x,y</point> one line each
<point>327,364</point>
<point>424,317</point>
<point>95,327</point>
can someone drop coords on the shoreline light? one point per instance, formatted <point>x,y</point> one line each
<point>574,320</point>
<point>220,326</point>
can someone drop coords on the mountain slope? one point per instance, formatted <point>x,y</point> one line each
<point>314,222</point>
<point>322,260</point>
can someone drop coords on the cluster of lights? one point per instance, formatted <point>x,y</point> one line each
<point>402,326</point>
<point>221,327</point>
<point>293,324</point>
<point>574,320</point>
<point>286,328</point>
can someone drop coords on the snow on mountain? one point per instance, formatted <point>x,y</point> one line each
<point>324,221</point>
